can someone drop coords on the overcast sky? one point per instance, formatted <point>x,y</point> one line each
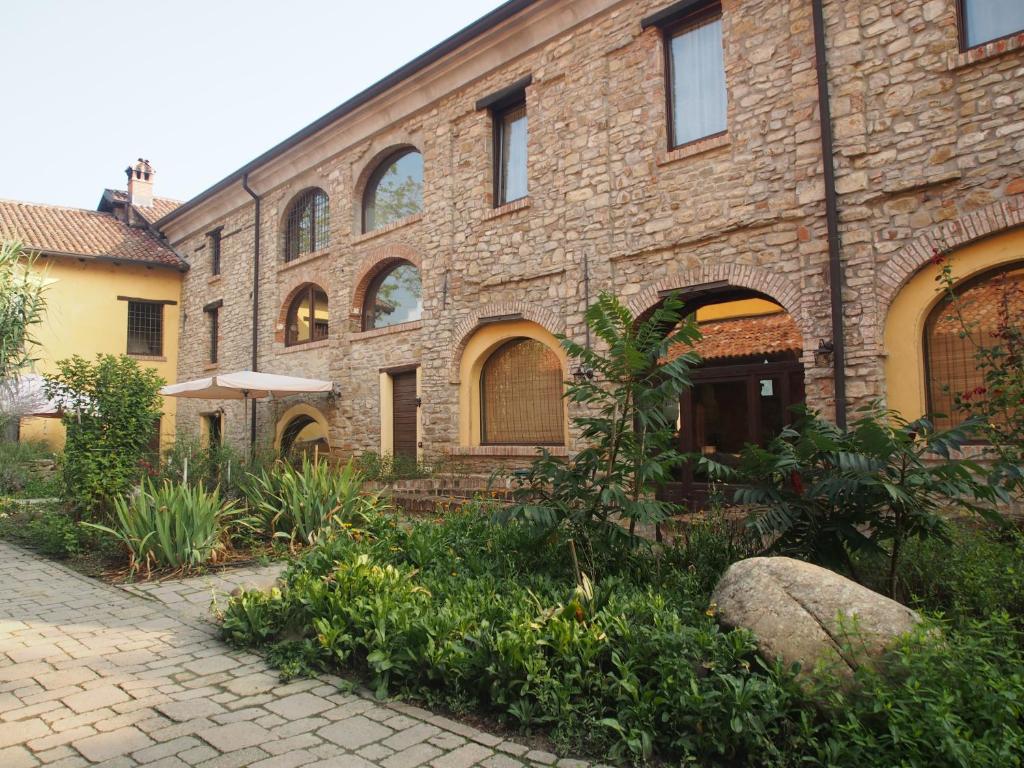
<point>199,87</point>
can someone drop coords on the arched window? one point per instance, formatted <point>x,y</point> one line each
<point>308,225</point>
<point>985,304</point>
<point>394,296</point>
<point>394,190</point>
<point>521,395</point>
<point>307,316</point>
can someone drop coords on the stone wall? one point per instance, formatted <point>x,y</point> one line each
<point>923,136</point>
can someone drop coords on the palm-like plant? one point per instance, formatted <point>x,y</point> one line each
<point>629,395</point>
<point>302,503</point>
<point>170,526</point>
<point>822,494</point>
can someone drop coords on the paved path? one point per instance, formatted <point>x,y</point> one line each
<point>198,596</point>
<point>92,674</point>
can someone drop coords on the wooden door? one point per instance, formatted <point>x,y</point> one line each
<point>404,414</point>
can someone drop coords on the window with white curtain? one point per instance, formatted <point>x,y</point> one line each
<point>985,20</point>
<point>696,80</point>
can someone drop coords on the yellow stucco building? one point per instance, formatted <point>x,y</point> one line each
<point>113,286</point>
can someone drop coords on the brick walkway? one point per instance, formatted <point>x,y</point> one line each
<point>92,674</point>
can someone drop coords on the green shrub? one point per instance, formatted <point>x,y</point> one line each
<point>170,526</point>
<point>19,471</point>
<point>49,531</point>
<point>112,409</point>
<point>301,503</point>
<point>954,700</point>
<point>976,573</point>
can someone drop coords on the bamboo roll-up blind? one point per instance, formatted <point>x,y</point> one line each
<point>521,396</point>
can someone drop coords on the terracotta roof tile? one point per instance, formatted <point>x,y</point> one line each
<point>78,232</point>
<point>747,336</point>
<point>986,306</point>
<point>161,205</point>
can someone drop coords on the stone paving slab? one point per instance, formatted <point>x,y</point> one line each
<point>97,675</point>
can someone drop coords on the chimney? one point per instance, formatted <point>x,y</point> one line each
<point>140,183</point>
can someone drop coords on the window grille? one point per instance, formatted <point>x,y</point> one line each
<point>521,396</point>
<point>988,304</point>
<point>214,315</point>
<point>308,317</point>
<point>214,244</point>
<point>145,328</point>
<point>308,225</point>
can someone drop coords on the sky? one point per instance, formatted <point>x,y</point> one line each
<point>198,87</point>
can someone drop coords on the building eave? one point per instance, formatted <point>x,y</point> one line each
<point>421,62</point>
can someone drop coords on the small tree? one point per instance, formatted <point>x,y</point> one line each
<point>629,391</point>
<point>111,408</point>
<point>21,308</point>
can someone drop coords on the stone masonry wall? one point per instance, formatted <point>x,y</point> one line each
<point>922,138</point>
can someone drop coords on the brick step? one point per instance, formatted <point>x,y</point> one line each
<point>424,504</point>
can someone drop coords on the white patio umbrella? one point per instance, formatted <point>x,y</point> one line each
<point>25,396</point>
<point>246,386</point>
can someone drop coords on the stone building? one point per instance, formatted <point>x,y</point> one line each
<point>423,244</point>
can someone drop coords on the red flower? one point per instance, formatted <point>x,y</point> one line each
<point>937,257</point>
<point>798,483</point>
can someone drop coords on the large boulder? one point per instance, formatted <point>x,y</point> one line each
<point>806,614</point>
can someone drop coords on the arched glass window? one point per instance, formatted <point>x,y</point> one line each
<point>308,225</point>
<point>307,316</point>
<point>521,395</point>
<point>394,191</point>
<point>985,304</point>
<point>395,296</point>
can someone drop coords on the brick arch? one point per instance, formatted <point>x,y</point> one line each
<point>777,287</point>
<point>282,314</point>
<point>359,190</point>
<point>944,237</point>
<point>545,318</point>
<point>375,262</point>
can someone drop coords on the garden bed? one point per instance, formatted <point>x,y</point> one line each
<point>632,667</point>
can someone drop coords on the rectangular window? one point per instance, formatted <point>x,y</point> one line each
<point>510,134</point>
<point>213,313</point>
<point>213,242</point>
<point>696,79</point>
<point>982,21</point>
<point>146,328</point>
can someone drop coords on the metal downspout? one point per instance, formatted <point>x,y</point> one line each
<point>255,301</point>
<point>835,266</point>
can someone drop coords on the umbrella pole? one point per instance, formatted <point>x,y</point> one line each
<point>245,420</point>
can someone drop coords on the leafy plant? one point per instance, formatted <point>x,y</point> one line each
<point>820,493</point>
<point>629,394</point>
<point>302,503</point>
<point>388,467</point>
<point>112,407</point>
<point>170,526</point>
<point>995,407</point>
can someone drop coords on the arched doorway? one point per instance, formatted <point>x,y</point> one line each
<point>302,430</point>
<point>743,392</point>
